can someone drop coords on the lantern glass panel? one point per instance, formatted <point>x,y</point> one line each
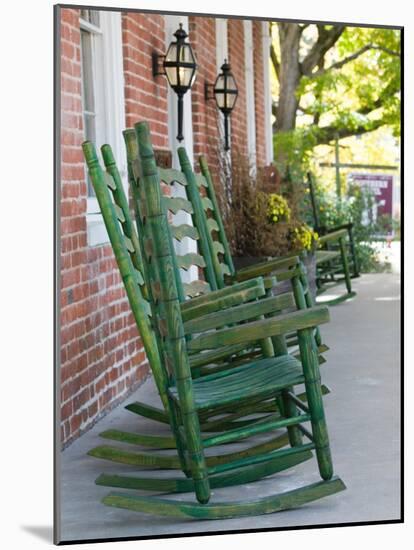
<point>185,76</point>
<point>172,77</point>
<point>171,72</point>
<point>219,85</point>
<point>193,77</point>
<point>186,54</point>
<point>231,83</point>
<point>171,54</point>
<point>231,100</point>
<point>220,99</point>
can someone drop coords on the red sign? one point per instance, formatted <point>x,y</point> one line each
<point>381,187</point>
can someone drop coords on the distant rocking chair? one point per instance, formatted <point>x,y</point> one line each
<point>337,253</point>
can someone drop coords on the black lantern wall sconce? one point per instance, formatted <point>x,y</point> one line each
<point>225,93</point>
<point>180,67</point>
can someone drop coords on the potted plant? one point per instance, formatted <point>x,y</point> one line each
<point>263,218</point>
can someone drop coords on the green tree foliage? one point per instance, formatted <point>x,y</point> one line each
<point>355,208</point>
<point>346,82</point>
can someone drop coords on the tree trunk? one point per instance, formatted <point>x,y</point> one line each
<point>289,38</point>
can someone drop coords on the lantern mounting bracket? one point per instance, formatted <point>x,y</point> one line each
<point>158,64</point>
<point>208,91</point>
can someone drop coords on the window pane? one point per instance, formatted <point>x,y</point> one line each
<point>89,130</point>
<point>94,17</point>
<point>87,72</point>
<point>88,99</point>
<point>91,16</point>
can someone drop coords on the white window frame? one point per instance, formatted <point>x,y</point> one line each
<point>222,53</point>
<point>249,80</point>
<point>266,42</point>
<point>109,98</point>
<point>222,45</point>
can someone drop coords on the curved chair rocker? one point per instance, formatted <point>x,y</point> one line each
<point>337,253</point>
<point>185,398</point>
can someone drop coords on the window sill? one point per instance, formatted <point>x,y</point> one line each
<point>96,230</point>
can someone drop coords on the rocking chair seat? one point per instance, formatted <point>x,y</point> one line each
<point>326,255</point>
<point>251,380</point>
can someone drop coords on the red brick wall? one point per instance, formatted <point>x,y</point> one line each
<point>101,353</point>
<point>145,96</point>
<point>102,359</point>
<point>236,59</point>
<point>259,95</point>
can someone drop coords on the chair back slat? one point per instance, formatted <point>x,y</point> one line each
<point>184,230</point>
<point>196,288</point>
<point>186,261</point>
<point>315,208</point>
<point>206,215</point>
<point>180,214</point>
<point>175,204</point>
<point>170,175</point>
<point>140,205</point>
<point>221,234</point>
<point>114,183</point>
<point>201,181</point>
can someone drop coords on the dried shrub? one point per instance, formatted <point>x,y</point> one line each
<point>245,201</point>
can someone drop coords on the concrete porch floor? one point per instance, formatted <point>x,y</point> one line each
<point>363,414</point>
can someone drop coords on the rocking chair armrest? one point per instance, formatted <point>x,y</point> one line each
<point>333,236</point>
<point>258,330</point>
<point>348,226</point>
<point>224,298</point>
<point>265,268</point>
<point>237,314</point>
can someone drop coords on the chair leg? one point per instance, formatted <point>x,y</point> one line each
<point>196,457</point>
<point>278,342</point>
<point>175,426</point>
<point>346,266</point>
<point>309,300</point>
<point>311,373</point>
<point>290,410</point>
<point>298,293</point>
<point>353,252</point>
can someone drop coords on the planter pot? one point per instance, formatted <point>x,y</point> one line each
<point>308,259</point>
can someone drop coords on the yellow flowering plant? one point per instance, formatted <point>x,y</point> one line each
<point>277,208</point>
<point>304,237</point>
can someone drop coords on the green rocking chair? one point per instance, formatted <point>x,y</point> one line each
<point>116,215</point>
<point>217,300</point>
<point>174,339</point>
